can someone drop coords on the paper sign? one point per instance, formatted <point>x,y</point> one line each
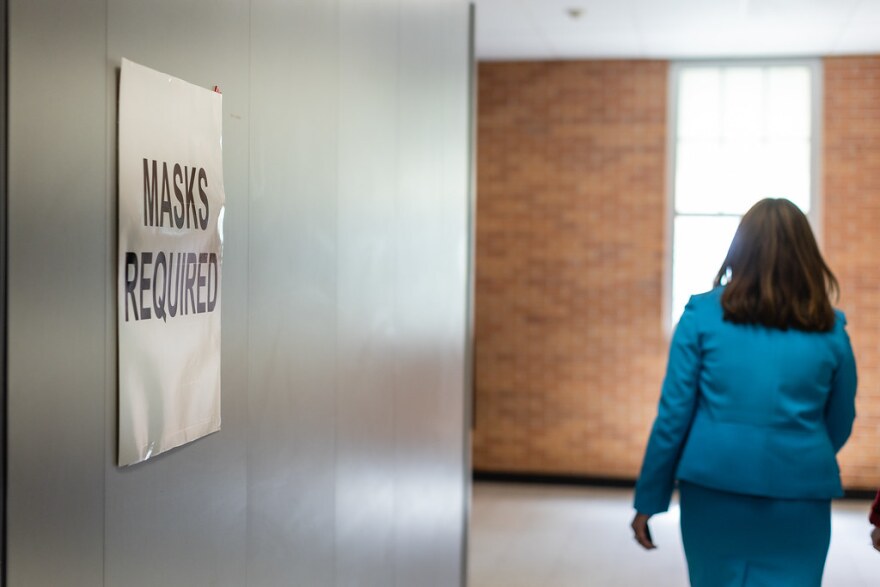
<point>171,204</point>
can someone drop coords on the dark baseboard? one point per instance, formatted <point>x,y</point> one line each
<point>859,494</point>
<point>550,479</point>
<point>588,481</point>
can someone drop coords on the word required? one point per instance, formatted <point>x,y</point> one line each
<point>178,284</point>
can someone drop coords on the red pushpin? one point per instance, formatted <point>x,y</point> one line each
<point>217,89</point>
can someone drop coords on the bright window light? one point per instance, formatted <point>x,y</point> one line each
<point>742,133</point>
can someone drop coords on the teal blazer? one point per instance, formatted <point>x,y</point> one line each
<point>749,409</point>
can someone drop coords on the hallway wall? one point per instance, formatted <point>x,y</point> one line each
<point>341,458</point>
<point>570,348</point>
<point>851,189</point>
<point>569,274</point>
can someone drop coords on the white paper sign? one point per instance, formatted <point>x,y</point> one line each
<point>171,203</point>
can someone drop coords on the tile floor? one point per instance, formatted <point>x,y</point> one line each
<point>552,536</point>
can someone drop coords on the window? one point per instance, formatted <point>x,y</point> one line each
<point>741,132</point>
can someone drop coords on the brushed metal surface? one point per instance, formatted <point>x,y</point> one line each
<point>292,310</point>
<point>430,287</point>
<point>187,508</point>
<point>341,456</point>
<point>57,238</point>
<point>367,348</point>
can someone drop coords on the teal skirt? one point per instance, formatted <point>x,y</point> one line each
<point>734,540</point>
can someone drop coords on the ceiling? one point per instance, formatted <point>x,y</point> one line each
<point>669,29</point>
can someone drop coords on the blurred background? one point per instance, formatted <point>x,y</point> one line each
<point>611,175</point>
<point>618,144</point>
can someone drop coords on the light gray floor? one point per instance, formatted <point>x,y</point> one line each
<point>550,536</point>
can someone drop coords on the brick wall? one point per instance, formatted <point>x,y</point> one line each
<point>571,224</point>
<point>852,239</point>
<point>570,250</point>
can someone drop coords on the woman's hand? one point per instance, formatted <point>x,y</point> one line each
<point>643,533</point>
<point>875,537</point>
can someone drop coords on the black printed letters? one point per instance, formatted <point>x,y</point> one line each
<point>166,284</point>
<point>183,212</point>
<point>170,284</point>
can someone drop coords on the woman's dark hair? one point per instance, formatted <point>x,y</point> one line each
<point>775,273</point>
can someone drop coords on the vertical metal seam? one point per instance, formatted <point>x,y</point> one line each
<point>109,387</point>
<point>470,397</point>
<point>4,243</point>
<point>247,293</point>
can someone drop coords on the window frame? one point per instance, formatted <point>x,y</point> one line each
<point>816,137</point>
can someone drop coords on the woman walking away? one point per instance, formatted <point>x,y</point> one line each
<point>759,397</point>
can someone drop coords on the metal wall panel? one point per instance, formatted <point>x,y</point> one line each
<point>430,291</point>
<point>57,275</point>
<point>366,331</point>
<point>292,278</point>
<point>341,458</point>
<point>180,518</point>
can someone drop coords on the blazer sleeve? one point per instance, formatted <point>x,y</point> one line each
<point>840,411</point>
<point>678,401</point>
